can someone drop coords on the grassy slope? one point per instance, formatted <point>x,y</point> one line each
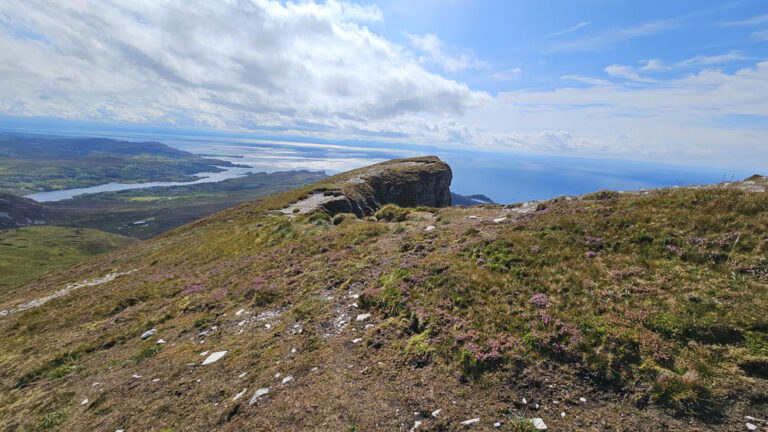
<point>650,306</point>
<point>30,252</point>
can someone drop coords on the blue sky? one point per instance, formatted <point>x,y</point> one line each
<point>673,82</point>
<point>549,39</point>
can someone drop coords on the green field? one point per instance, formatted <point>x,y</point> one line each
<point>30,252</point>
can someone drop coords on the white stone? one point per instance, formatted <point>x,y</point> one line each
<point>354,341</point>
<point>155,379</point>
<point>135,376</point>
<point>539,424</point>
<point>429,228</point>
<point>581,399</point>
<point>562,414</point>
<point>525,402</point>
<point>204,353</point>
<point>277,375</point>
<point>259,393</point>
<point>84,402</point>
<point>148,333</point>
<point>268,326</point>
<point>363,317</point>
<point>214,357</point>
<point>95,384</point>
<point>242,374</point>
<point>293,350</point>
<point>287,379</point>
<point>416,424</point>
<point>471,421</point>
<point>241,323</point>
<point>473,217</point>
<point>239,395</point>
<point>240,312</point>
<point>497,424</point>
<point>160,341</point>
<point>750,426</point>
<point>437,412</point>
<point>501,219</point>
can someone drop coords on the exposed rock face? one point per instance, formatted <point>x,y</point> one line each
<point>413,182</point>
<point>16,211</point>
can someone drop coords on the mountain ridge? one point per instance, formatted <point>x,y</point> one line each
<point>628,311</point>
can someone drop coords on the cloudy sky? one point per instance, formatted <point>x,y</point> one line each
<point>666,81</point>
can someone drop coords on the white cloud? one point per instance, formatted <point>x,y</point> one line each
<point>315,69</point>
<point>759,19</point>
<point>435,53</point>
<point>683,120</point>
<point>587,80</point>
<point>227,64</point>
<point>655,65</point>
<point>760,35</point>
<point>568,30</point>
<point>616,35</point>
<point>507,75</point>
<point>716,59</point>
<point>625,72</point>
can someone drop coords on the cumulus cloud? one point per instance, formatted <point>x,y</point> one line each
<point>230,64</point>
<point>316,69</point>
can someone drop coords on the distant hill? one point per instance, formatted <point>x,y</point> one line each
<point>23,146</point>
<point>364,301</point>
<point>19,212</point>
<point>470,200</point>
<point>34,163</point>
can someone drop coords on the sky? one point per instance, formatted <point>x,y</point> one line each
<point>679,82</point>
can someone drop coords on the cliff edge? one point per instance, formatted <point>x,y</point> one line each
<point>423,181</point>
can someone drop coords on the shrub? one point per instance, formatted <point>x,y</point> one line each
<point>685,394</point>
<point>339,218</point>
<point>51,420</point>
<point>147,352</point>
<point>392,212</point>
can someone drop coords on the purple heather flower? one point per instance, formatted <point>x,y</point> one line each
<point>540,300</point>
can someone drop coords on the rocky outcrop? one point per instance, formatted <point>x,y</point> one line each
<point>423,181</point>
<point>406,182</point>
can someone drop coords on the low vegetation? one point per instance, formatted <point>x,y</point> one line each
<point>30,252</point>
<point>632,311</point>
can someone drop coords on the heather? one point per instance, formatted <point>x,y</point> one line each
<point>639,311</point>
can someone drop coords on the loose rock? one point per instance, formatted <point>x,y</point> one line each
<point>256,396</point>
<point>148,333</point>
<point>214,357</point>
<point>239,395</point>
